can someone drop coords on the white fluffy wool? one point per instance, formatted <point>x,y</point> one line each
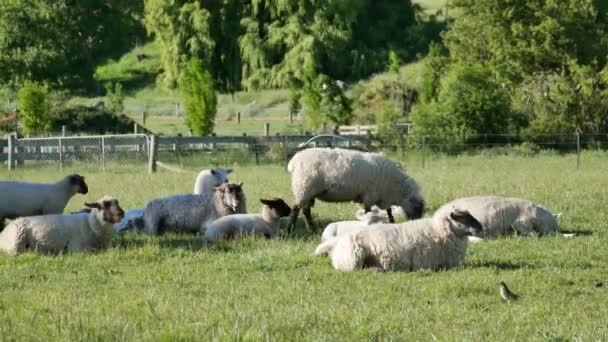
<point>207,180</point>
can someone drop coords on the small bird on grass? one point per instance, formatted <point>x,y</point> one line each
<point>506,294</point>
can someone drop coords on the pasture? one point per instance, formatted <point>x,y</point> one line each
<point>173,288</point>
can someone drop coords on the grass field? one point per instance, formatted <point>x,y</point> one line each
<point>173,288</point>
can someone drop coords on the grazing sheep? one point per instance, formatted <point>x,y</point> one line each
<point>131,221</point>
<point>267,223</point>
<point>18,199</point>
<point>186,213</point>
<point>364,221</point>
<point>395,211</point>
<point>501,216</point>
<point>339,175</point>
<point>53,234</point>
<point>434,243</point>
<point>207,180</point>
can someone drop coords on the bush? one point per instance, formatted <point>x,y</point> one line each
<point>34,107</point>
<point>90,120</point>
<point>115,97</point>
<point>200,100</point>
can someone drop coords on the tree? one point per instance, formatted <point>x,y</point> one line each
<point>115,97</point>
<point>200,100</point>
<point>34,107</point>
<point>393,62</point>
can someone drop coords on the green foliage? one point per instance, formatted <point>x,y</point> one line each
<point>295,95</point>
<point>81,119</point>
<point>393,62</point>
<point>34,107</point>
<point>386,120</point>
<point>335,107</point>
<point>312,95</point>
<point>434,66</point>
<point>115,97</point>
<point>469,102</point>
<point>200,100</point>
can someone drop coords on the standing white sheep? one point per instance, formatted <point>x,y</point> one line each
<point>501,216</point>
<point>364,221</point>
<point>267,223</point>
<point>207,180</point>
<point>18,199</point>
<point>186,213</point>
<point>340,175</point>
<point>64,233</point>
<point>433,243</point>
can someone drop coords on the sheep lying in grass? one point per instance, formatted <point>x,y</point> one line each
<point>186,213</point>
<point>267,223</point>
<point>339,175</point>
<point>207,180</point>
<point>434,243</point>
<point>131,221</point>
<point>364,220</point>
<point>18,199</point>
<point>501,216</point>
<point>53,234</point>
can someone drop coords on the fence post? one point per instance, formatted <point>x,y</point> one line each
<point>267,129</point>
<point>423,147</point>
<point>60,145</point>
<point>238,117</point>
<point>578,149</point>
<point>11,152</point>
<point>290,117</point>
<point>177,109</point>
<point>63,130</point>
<point>103,154</point>
<point>152,156</point>
<point>135,128</point>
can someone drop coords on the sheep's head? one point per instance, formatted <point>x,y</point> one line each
<point>108,209</point>
<point>371,217</point>
<point>77,184</point>
<point>277,206</point>
<point>414,207</point>
<point>462,223</point>
<point>221,175</point>
<point>231,194</point>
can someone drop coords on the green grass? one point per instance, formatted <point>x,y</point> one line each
<point>172,287</point>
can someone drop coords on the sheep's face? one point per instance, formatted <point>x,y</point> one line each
<point>462,223</point>
<point>278,206</point>
<point>221,175</point>
<point>78,185</point>
<point>231,194</point>
<point>109,209</point>
<point>414,207</point>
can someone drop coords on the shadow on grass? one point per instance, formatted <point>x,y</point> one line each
<point>501,265</point>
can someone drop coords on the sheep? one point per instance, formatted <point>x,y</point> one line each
<point>395,211</point>
<point>364,220</point>
<point>186,213</point>
<point>18,199</point>
<point>131,221</point>
<point>500,216</point>
<point>433,243</point>
<point>209,179</point>
<point>52,234</point>
<point>267,223</point>
<point>340,175</point>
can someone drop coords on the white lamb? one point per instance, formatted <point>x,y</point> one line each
<point>364,220</point>
<point>18,199</point>
<point>53,234</point>
<point>207,180</point>
<point>267,223</point>
<point>434,243</point>
<point>186,213</point>
<point>500,216</point>
<point>339,175</point>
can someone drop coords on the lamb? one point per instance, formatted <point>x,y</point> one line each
<point>209,179</point>
<point>364,220</point>
<point>501,216</point>
<point>186,213</point>
<point>267,223</point>
<point>131,221</point>
<point>52,234</point>
<point>18,199</point>
<point>433,243</point>
<point>340,175</point>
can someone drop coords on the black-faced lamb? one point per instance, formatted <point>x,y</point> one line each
<point>340,175</point>
<point>439,242</point>
<point>186,213</point>
<point>52,234</point>
<point>18,199</point>
<point>267,223</point>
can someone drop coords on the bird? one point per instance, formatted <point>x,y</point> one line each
<point>506,294</point>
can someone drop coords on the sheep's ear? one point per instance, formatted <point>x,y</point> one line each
<point>227,171</point>
<point>213,172</point>
<point>93,205</point>
<point>558,217</point>
<point>265,201</point>
<point>464,217</point>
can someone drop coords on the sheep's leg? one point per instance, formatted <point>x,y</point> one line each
<point>389,213</point>
<point>310,225</point>
<point>292,219</point>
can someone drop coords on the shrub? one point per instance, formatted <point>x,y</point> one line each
<point>34,107</point>
<point>200,100</point>
<point>90,120</point>
<point>115,97</point>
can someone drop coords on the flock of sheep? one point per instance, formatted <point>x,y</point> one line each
<point>218,210</point>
